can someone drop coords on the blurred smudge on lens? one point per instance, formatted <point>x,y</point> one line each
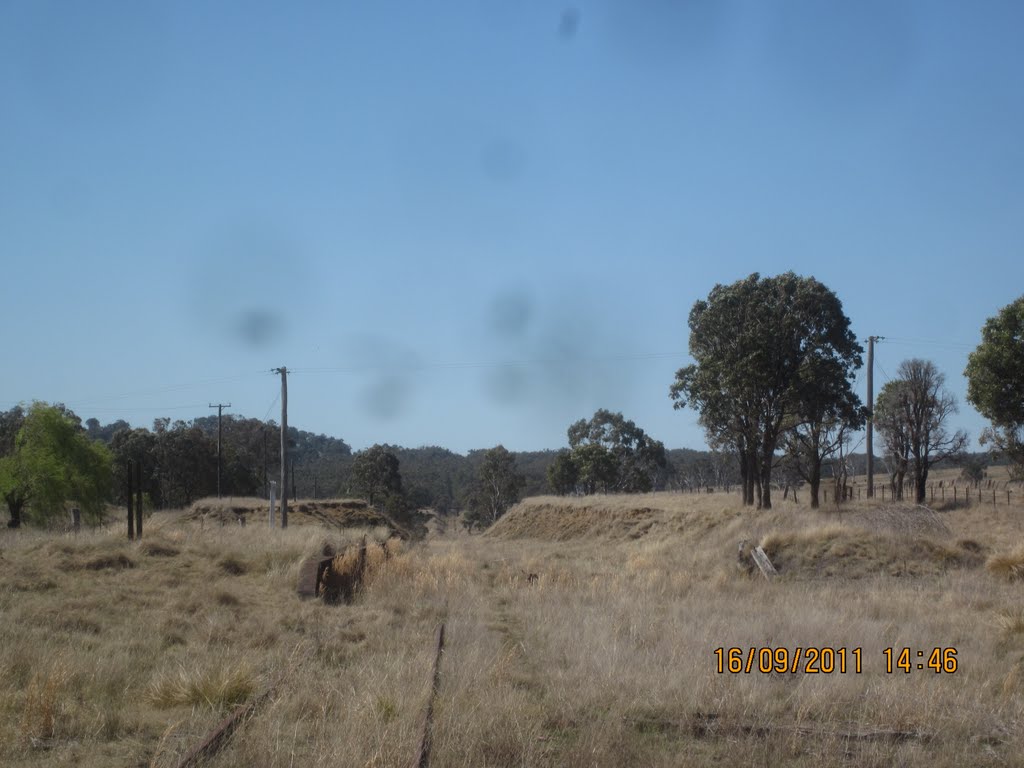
<point>503,160</point>
<point>386,396</point>
<point>259,327</point>
<point>507,384</point>
<point>510,313</point>
<point>234,286</point>
<point>388,370</point>
<point>569,23</point>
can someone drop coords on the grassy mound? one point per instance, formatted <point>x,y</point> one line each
<point>861,540</point>
<point>849,552</point>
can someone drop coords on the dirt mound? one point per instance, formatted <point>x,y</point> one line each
<point>562,520</point>
<point>333,513</point>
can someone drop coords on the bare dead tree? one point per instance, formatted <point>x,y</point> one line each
<point>912,416</point>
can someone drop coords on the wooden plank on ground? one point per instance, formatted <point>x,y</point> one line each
<point>762,561</point>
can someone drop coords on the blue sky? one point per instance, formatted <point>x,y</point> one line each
<point>471,223</point>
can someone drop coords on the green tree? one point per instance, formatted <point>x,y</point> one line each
<point>911,414</point>
<point>759,345</point>
<point>10,425</point>
<point>498,486</point>
<point>995,383</point>
<point>186,462</point>
<point>597,468</point>
<point>375,473</point>
<point>638,460</point>
<point>140,447</point>
<point>828,412</point>
<point>53,462</point>
<point>563,474</point>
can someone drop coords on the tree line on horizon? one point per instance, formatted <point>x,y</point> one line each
<point>775,362</point>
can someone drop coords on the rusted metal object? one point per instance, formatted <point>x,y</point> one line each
<point>311,574</point>
<point>423,754</point>
<point>219,736</point>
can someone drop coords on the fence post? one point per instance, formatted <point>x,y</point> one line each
<point>362,559</point>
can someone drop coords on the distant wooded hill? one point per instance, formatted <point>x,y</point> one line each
<point>181,461</point>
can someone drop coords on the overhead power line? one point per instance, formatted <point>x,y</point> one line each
<point>162,390</point>
<point>943,343</point>
<point>490,363</point>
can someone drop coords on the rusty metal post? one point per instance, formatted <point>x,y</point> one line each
<point>423,755</point>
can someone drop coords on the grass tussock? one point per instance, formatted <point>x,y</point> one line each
<point>1008,566</point>
<point>44,701</point>
<point>214,686</point>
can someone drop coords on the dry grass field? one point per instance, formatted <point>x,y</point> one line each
<point>126,654</point>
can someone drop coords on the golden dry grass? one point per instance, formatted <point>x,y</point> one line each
<point>118,653</point>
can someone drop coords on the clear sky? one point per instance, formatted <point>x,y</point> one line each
<point>471,223</point>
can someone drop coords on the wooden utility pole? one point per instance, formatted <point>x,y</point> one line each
<point>138,499</point>
<point>220,407</point>
<point>284,445</point>
<point>131,513</point>
<point>871,413</point>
